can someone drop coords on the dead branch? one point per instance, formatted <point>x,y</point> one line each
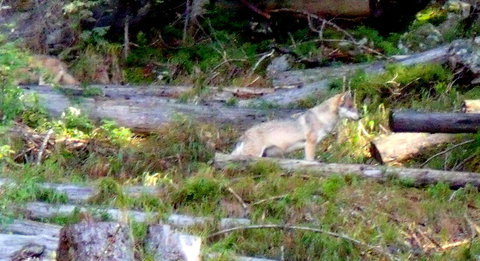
<point>445,151</point>
<point>44,145</point>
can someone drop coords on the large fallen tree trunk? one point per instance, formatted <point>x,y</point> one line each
<point>401,146</point>
<point>40,210</point>
<point>145,114</point>
<point>82,194</point>
<point>14,247</point>
<point>397,147</point>
<point>434,122</point>
<point>128,92</point>
<point>95,241</point>
<point>419,177</point>
<point>296,78</point>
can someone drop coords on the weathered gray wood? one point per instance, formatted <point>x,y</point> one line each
<point>296,78</point>
<point>81,194</point>
<point>128,92</point>
<point>169,245</point>
<point>9,244</point>
<point>418,177</point>
<point>434,122</point>
<point>40,210</point>
<point>95,241</point>
<point>145,114</point>
<point>30,228</point>
<point>397,147</point>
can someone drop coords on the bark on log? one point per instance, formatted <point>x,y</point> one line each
<point>471,106</point>
<point>10,245</point>
<point>168,245</point>
<point>146,114</point>
<point>95,241</point>
<point>419,177</point>
<point>434,122</point>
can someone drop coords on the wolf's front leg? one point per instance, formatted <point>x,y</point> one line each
<point>310,144</point>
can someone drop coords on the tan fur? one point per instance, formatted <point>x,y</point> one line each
<point>42,66</point>
<point>274,138</point>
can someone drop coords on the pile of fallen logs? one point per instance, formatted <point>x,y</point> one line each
<point>414,132</point>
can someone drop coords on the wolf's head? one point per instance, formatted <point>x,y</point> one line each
<point>346,107</point>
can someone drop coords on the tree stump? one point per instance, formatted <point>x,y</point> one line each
<point>95,241</point>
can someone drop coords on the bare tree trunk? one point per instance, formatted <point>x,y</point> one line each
<point>418,177</point>
<point>126,38</point>
<point>401,146</point>
<point>95,241</point>
<point>434,122</point>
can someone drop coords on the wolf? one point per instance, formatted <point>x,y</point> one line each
<point>274,138</point>
<point>43,67</point>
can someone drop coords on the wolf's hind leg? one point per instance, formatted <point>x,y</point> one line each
<point>272,151</point>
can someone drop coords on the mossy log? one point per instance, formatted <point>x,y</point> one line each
<point>96,241</point>
<point>146,113</point>
<point>417,177</point>
<point>298,78</point>
<point>434,122</point>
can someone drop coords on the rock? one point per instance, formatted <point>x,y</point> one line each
<point>168,245</point>
<point>465,59</point>
<point>279,64</point>
<point>423,38</point>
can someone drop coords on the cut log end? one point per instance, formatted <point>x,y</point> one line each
<point>95,241</point>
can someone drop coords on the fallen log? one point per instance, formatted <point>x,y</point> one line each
<point>169,245</point>
<point>297,78</point>
<point>401,146</point>
<point>82,194</point>
<point>146,114</point>
<point>40,210</point>
<point>434,122</point>
<point>397,147</point>
<point>128,92</point>
<point>471,106</point>
<point>418,177</point>
<point>95,241</point>
<point>10,245</point>
<point>30,228</point>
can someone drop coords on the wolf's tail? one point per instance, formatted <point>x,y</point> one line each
<point>238,149</point>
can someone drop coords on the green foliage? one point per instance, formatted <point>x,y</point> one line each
<point>434,15</point>
<point>387,45</point>
<point>120,136</point>
<point>12,60</point>
<point>199,190</point>
<point>109,190</point>
<point>402,85</point>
